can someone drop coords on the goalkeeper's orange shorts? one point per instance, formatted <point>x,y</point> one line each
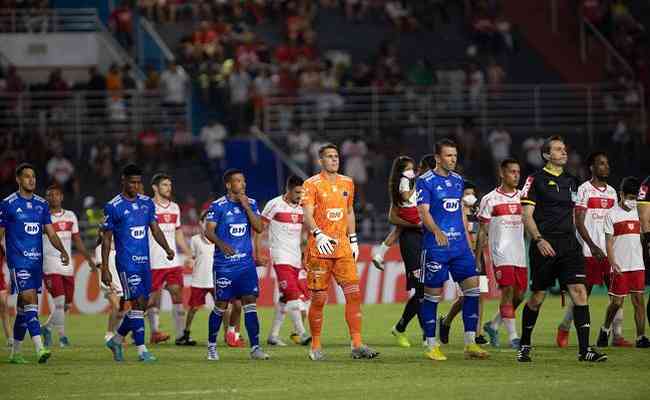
<point>321,270</point>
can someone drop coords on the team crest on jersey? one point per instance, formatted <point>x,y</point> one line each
<point>167,218</point>
<point>62,225</point>
<point>630,225</point>
<point>513,208</point>
<point>134,206</point>
<point>32,228</point>
<point>237,230</point>
<point>29,205</point>
<point>137,232</point>
<point>448,183</point>
<point>345,194</point>
<point>236,210</point>
<point>295,218</point>
<point>451,205</point>
<point>334,214</point>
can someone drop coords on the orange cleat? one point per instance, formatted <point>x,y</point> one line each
<point>232,340</point>
<point>620,341</point>
<point>562,338</point>
<point>158,337</point>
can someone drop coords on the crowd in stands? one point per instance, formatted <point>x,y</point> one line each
<point>25,16</point>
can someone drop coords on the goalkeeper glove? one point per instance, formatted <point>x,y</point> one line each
<point>324,243</point>
<point>354,245</point>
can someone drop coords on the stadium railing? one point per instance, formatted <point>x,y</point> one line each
<point>613,59</point>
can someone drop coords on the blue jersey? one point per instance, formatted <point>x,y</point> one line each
<point>443,194</point>
<point>234,229</point>
<point>129,221</point>
<point>23,220</point>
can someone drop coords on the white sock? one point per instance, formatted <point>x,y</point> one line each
<point>278,318</point>
<point>293,309</point>
<point>511,327</point>
<point>470,337</point>
<point>496,321</point>
<point>381,251</point>
<point>141,349</point>
<point>431,341</point>
<point>15,347</point>
<point>617,324</point>
<point>153,314</point>
<point>38,343</point>
<point>606,330</point>
<point>178,312</point>
<point>565,325</point>
<point>108,335</point>
<point>57,317</point>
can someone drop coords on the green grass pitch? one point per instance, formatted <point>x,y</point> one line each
<point>86,370</point>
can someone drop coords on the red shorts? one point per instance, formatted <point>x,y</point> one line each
<point>597,271</point>
<point>197,296</point>
<point>289,283</point>
<point>507,275</point>
<point>627,282</point>
<point>166,277</point>
<point>60,285</point>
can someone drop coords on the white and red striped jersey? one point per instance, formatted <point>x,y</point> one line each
<point>65,224</point>
<point>169,219</point>
<point>408,210</point>
<point>503,214</point>
<point>285,230</point>
<point>203,253</point>
<point>596,202</point>
<point>625,227</point>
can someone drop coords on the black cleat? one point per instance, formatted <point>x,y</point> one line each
<point>523,355</point>
<point>480,339</point>
<point>185,340</point>
<point>643,342</point>
<point>592,355</point>
<point>444,330</point>
<point>603,338</point>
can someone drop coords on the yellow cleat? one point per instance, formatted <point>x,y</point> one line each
<point>475,352</point>
<point>434,353</point>
<point>402,339</point>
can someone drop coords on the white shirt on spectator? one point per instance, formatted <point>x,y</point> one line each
<point>60,169</point>
<point>298,143</point>
<point>354,154</point>
<point>500,142</point>
<point>239,82</point>
<point>212,137</point>
<point>174,86</point>
<point>533,146</point>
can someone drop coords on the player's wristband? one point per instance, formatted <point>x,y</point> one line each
<point>316,232</point>
<point>353,238</point>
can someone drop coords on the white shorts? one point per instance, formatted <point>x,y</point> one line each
<point>116,286</point>
<point>483,284</point>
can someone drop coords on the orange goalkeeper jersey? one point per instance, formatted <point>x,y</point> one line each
<point>332,203</point>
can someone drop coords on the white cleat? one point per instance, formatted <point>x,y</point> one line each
<point>213,355</point>
<point>258,354</point>
<point>316,355</point>
<point>275,341</point>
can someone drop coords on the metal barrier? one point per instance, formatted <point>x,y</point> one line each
<point>613,58</point>
<point>46,20</point>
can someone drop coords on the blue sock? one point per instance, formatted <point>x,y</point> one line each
<point>214,323</point>
<point>20,327</point>
<point>470,309</point>
<point>252,324</point>
<point>31,319</point>
<point>429,314</point>
<point>137,326</point>
<point>125,326</point>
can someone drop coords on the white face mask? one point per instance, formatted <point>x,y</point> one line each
<point>469,200</point>
<point>631,204</point>
<point>409,173</point>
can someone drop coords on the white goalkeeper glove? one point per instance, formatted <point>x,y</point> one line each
<point>324,243</point>
<point>354,245</point>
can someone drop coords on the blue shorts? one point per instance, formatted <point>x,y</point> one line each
<point>235,282</point>
<point>23,279</point>
<point>135,284</point>
<point>437,264</point>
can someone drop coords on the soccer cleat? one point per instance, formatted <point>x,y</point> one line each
<point>444,330</point>
<point>363,351</point>
<point>185,340</point>
<point>480,339</point>
<point>158,337</point>
<point>10,343</point>
<point>213,355</point>
<point>643,342</point>
<point>46,333</point>
<point>562,338</point>
<point>378,262</point>
<point>275,341</point>
<point>295,338</point>
<point>434,353</point>
<point>603,338</point>
<point>474,352</point>
<point>258,354</point>
<point>619,341</point>
<point>515,343</point>
<point>592,355</point>
<point>116,349</point>
<point>523,355</point>
<point>17,359</point>
<point>305,339</point>
<point>316,355</point>
<point>492,333</point>
<point>43,355</point>
<point>402,339</point>
<point>64,342</point>
<point>147,357</point>
<point>234,340</point>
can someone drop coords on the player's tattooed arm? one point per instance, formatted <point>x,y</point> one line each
<point>430,224</point>
<point>81,248</point>
<point>210,229</point>
<point>159,237</point>
<point>395,219</point>
<point>107,239</point>
<point>56,242</point>
<point>584,234</point>
<point>530,225</point>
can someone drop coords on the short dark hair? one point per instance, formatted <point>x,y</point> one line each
<point>54,186</point>
<point>504,164</point>
<point>546,147</point>
<point>229,173</point>
<point>23,166</point>
<point>467,184</point>
<point>593,156</point>
<point>630,185</point>
<point>131,170</point>
<point>159,177</point>
<point>444,143</point>
<point>326,146</point>
<point>293,181</point>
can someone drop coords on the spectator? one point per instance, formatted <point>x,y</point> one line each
<point>125,152</point>
<point>114,80</point>
<point>496,76</point>
<point>532,147</point>
<point>153,79</point>
<point>475,84</point>
<point>128,83</point>
<point>182,142</point>
<point>576,167</point>
<point>240,85</point>
<point>354,151</point>
<point>212,136</point>
<point>500,142</point>
<point>174,88</point>
<point>61,171</point>
<point>355,10</point>
<point>261,88</point>
<point>121,23</point>
<point>150,148</point>
<point>400,16</point>
<point>298,143</point>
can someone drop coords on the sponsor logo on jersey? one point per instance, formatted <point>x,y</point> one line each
<point>237,230</point>
<point>451,205</point>
<point>134,280</point>
<point>32,228</point>
<point>23,274</point>
<point>139,259</point>
<point>334,214</point>
<point>138,232</point>
<point>223,283</point>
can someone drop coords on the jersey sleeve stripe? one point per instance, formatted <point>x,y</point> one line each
<point>529,202</point>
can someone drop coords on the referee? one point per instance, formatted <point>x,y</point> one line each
<point>548,199</point>
<point>643,207</point>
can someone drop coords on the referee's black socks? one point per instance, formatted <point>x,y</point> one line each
<point>528,320</point>
<point>581,319</point>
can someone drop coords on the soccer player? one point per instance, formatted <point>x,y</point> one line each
<point>332,249</point>
<point>202,284</point>
<point>595,198</point>
<point>548,198</point>
<point>59,278</point>
<point>625,254</point>
<point>165,273</point>
<point>4,305</point>
<point>446,249</point>
<point>113,293</point>
<point>229,223</point>
<point>643,208</point>
<point>503,229</point>
<point>283,216</point>
<point>128,217</point>
<point>24,217</point>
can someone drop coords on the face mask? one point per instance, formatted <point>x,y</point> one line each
<point>469,200</point>
<point>409,173</point>
<point>631,204</point>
